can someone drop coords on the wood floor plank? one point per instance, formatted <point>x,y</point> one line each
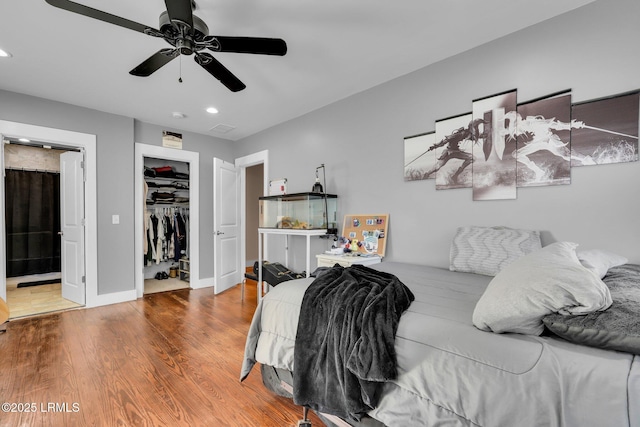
<point>167,359</point>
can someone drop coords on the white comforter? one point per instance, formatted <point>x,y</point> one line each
<point>451,373</point>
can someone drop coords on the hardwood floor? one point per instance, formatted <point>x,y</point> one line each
<point>167,359</point>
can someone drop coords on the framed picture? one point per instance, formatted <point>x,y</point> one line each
<point>171,139</point>
<point>607,130</point>
<point>494,164</point>
<point>419,161</point>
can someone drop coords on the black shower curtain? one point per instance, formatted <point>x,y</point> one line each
<point>32,214</point>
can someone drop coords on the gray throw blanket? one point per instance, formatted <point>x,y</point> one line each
<point>616,328</point>
<point>344,348</point>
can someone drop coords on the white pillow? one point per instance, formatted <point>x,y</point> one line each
<point>487,250</point>
<point>600,261</point>
<point>546,281</point>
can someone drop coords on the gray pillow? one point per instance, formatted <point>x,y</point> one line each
<point>546,281</point>
<point>600,261</point>
<point>617,328</point>
<point>487,250</point>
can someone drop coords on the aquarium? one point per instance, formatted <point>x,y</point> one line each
<point>300,211</point>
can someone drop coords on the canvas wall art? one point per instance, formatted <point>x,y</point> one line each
<point>494,164</point>
<point>501,145</point>
<point>453,148</point>
<point>542,129</point>
<point>609,131</point>
<point>419,161</point>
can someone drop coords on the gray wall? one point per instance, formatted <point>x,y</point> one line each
<point>114,155</point>
<point>592,50</point>
<point>115,176</point>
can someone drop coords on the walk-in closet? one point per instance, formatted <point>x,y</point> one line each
<point>166,225</point>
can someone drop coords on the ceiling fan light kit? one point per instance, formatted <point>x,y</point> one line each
<point>188,35</point>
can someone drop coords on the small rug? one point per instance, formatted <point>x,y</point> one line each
<point>38,282</point>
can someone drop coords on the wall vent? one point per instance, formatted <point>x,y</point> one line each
<point>221,128</point>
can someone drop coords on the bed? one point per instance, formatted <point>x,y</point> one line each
<point>450,372</point>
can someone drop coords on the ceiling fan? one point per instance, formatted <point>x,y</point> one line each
<point>188,35</point>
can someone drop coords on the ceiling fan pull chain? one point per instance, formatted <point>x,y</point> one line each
<point>180,77</point>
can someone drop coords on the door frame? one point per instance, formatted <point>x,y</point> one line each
<point>75,140</point>
<point>193,158</point>
<point>242,163</point>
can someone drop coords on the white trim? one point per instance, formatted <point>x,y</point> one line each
<point>207,282</point>
<point>115,298</point>
<point>193,158</point>
<point>69,139</point>
<point>261,157</point>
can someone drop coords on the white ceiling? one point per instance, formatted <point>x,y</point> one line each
<point>335,48</point>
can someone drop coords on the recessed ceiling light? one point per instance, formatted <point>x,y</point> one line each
<point>24,140</point>
<point>212,110</point>
<point>4,54</point>
<point>178,115</point>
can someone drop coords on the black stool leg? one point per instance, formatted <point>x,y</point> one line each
<point>304,422</point>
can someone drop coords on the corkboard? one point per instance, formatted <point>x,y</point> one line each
<point>370,230</point>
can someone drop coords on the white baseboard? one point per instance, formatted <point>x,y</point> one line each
<point>207,282</point>
<point>113,298</point>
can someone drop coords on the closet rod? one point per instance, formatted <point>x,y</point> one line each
<point>30,170</point>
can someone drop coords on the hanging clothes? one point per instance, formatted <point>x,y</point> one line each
<point>150,238</point>
<point>166,234</point>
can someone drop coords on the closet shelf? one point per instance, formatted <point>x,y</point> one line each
<point>168,204</point>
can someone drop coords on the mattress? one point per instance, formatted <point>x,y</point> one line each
<point>450,373</point>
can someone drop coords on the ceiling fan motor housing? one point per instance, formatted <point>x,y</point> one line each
<point>180,36</point>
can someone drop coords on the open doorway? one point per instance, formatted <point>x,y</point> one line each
<point>32,216</point>
<point>254,177</point>
<point>167,222</point>
<point>254,188</point>
<point>186,164</point>
<point>88,281</point>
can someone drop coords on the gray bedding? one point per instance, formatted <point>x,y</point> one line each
<point>450,373</point>
<point>618,327</point>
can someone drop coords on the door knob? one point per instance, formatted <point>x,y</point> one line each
<point>219,233</point>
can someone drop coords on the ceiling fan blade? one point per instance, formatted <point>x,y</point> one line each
<point>219,71</point>
<point>102,16</point>
<point>154,62</point>
<point>259,45</point>
<point>180,11</point>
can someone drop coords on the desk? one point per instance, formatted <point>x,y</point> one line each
<point>286,232</point>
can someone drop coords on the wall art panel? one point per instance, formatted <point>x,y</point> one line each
<point>543,131</point>
<point>607,132</point>
<point>454,155</point>
<point>494,165</point>
<point>419,160</point>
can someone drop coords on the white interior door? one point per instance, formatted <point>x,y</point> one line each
<point>226,226</point>
<point>72,226</point>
